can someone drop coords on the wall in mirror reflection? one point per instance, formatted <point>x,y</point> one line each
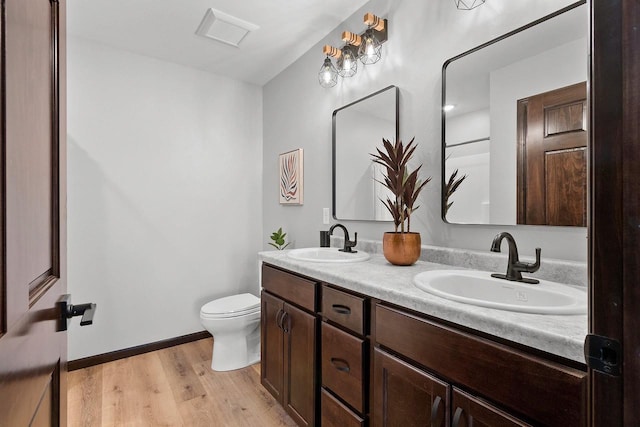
<point>358,129</point>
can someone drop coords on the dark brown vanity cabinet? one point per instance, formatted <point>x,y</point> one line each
<point>503,386</point>
<point>337,359</point>
<point>288,362</point>
<point>344,356</point>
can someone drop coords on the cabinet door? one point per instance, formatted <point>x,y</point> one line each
<point>299,365</point>
<point>272,345</point>
<point>470,411</point>
<point>406,396</point>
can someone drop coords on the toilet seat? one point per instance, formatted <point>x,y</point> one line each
<point>231,306</point>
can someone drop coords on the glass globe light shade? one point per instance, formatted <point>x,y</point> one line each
<point>348,62</point>
<point>370,50</point>
<point>328,75</point>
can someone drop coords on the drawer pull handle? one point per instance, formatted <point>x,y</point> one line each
<point>279,316</point>
<point>340,364</point>
<point>456,417</point>
<point>341,309</point>
<point>434,412</point>
<point>286,328</point>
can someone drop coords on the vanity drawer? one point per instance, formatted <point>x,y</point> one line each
<point>342,365</point>
<point>548,392</point>
<point>335,414</point>
<point>343,308</point>
<point>293,288</point>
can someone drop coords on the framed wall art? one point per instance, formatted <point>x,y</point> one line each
<point>291,177</point>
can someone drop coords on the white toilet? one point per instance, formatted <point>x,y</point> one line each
<point>234,322</point>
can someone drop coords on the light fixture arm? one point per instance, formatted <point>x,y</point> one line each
<point>375,22</point>
<point>378,25</point>
<point>331,51</point>
<point>350,38</point>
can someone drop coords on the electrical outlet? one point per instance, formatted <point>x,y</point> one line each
<point>325,216</point>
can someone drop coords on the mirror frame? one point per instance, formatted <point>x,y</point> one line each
<point>444,99</point>
<point>333,147</point>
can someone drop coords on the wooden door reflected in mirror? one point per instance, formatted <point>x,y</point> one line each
<point>552,157</point>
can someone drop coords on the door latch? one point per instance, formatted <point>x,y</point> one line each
<point>603,354</point>
<point>68,310</point>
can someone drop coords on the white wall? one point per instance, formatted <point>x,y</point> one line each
<point>468,127</point>
<point>165,166</point>
<point>472,198</point>
<point>422,36</point>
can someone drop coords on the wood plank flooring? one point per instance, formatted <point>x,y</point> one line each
<point>171,387</point>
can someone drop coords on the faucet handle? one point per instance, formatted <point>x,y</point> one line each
<point>355,241</point>
<point>532,268</point>
<point>348,244</point>
<point>529,268</point>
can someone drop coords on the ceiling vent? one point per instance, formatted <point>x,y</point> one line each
<point>224,28</point>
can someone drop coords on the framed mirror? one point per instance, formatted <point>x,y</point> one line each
<point>514,126</point>
<point>358,128</point>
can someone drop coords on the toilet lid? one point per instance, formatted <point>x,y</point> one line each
<point>233,305</point>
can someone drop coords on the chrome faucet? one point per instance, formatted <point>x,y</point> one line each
<point>514,266</point>
<point>348,244</point>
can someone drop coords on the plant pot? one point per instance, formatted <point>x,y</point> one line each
<point>401,248</point>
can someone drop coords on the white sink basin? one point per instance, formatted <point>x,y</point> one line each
<point>479,288</point>
<point>327,255</point>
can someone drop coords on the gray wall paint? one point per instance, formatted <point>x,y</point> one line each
<point>164,194</point>
<point>422,35</point>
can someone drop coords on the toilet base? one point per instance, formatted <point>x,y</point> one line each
<point>231,353</point>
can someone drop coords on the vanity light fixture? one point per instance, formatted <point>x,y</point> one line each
<point>328,75</point>
<point>448,107</point>
<point>370,48</point>
<point>468,4</point>
<point>365,47</point>
<point>348,62</point>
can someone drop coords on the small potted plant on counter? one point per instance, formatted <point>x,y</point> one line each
<point>278,238</point>
<point>401,247</point>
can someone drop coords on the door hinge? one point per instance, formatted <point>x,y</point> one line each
<point>603,354</point>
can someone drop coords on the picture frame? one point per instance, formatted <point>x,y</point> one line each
<point>291,174</point>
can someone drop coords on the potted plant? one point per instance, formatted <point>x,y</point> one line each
<point>278,238</point>
<point>401,247</point>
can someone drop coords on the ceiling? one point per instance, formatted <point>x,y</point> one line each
<point>165,29</point>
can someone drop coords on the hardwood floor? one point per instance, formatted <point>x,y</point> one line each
<point>171,387</point>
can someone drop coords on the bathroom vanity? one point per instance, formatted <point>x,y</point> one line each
<point>359,344</point>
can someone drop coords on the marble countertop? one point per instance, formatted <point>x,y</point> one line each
<point>560,335</point>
